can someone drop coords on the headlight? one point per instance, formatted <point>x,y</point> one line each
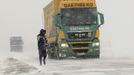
<point>64,45</point>
<point>96,44</point>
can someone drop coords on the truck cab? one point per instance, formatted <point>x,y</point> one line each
<point>77,25</point>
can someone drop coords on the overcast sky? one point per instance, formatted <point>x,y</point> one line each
<point>21,18</point>
<point>25,18</point>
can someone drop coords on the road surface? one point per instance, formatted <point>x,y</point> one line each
<point>30,66</point>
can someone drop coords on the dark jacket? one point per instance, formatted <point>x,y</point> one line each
<point>41,43</point>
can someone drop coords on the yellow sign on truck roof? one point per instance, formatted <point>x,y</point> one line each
<point>78,4</point>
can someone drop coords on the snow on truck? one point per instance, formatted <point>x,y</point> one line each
<point>72,28</point>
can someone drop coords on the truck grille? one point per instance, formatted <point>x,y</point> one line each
<point>80,44</point>
<point>80,47</point>
<point>78,35</point>
<point>80,50</point>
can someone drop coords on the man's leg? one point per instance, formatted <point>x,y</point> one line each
<point>40,59</point>
<point>44,59</point>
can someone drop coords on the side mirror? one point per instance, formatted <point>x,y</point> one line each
<point>100,19</point>
<point>58,20</point>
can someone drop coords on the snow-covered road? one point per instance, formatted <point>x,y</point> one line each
<point>30,66</point>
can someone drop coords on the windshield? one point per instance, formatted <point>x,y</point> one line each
<point>79,16</point>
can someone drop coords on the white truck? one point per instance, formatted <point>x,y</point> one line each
<point>16,44</point>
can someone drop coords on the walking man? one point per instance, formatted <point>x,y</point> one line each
<point>42,46</point>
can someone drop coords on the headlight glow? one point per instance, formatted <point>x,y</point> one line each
<point>96,44</point>
<point>64,45</point>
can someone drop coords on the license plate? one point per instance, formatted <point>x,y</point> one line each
<point>80,53</point>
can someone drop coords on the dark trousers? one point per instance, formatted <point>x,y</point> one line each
<point>42,57</point>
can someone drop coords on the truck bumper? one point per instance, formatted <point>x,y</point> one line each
<point>69,52</point>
